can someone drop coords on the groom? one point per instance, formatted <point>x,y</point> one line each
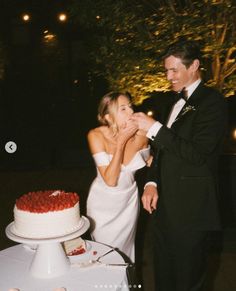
<point>182,190</point>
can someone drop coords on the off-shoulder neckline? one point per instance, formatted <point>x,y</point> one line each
<point>125,165</point>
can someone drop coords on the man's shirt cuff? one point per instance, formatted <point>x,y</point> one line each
<point>150,183</point>
<point>153,130</point>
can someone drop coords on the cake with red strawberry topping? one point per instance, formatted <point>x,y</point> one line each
<point>46,214</point>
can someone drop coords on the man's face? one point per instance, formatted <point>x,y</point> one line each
<point>178,75</point>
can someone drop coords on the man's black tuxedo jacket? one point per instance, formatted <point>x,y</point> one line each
<point>185,166</point>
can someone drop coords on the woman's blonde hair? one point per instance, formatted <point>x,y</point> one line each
<point>109,105</point>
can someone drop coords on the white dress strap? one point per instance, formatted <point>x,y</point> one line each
<point>101,159</point>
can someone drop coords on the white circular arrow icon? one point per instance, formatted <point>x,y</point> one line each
<point>10,147</point>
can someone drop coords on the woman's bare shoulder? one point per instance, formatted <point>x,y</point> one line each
<point>96,139</point>
<point>98,135</point>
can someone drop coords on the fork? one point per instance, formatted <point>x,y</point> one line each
<point>106,253</point>
<point>109,264</point>
<point>99,263</point>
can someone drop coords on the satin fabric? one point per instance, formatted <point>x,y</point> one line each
<point>113,211</point>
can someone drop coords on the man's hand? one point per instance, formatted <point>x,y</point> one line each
<point>144,121</point>
<point>150,198</point>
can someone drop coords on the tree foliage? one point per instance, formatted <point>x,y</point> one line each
<point>125,39</point>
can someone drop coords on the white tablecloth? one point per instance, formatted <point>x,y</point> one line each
<point>15,264</point>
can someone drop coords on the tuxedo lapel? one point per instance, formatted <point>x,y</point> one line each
<point>187,108</point>
<point>191,103</point>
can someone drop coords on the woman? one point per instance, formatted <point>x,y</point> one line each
<point>118,149</point>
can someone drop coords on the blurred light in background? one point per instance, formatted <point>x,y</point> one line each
<point>234,133</point>
<point>48,37</point>
<point>26,17</point>
<point>62,17</point>
<point>150,113</point>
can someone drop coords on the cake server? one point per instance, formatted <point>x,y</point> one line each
<point>93,263</point>
<point>106,253</point>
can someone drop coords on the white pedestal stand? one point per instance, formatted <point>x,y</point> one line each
<point>50,259</point>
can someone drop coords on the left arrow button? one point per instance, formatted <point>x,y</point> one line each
<point>10,147</point>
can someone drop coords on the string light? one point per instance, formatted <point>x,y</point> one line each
<point>62,17</point>
<point>26,17</point>
<point>234,133</point>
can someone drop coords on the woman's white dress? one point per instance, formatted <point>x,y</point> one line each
<point>113,211</point>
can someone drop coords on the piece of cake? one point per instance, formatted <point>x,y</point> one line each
<point>75,246</point>
<point>46,214</point>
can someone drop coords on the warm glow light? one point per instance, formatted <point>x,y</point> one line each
<point>26,17</point>
<point>150,113</point>
<point>234,133</point>
<point>98,17</point>
<point>62,17</point>
<point>49,37</point>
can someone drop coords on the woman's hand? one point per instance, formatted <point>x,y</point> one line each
<point>127,131</point>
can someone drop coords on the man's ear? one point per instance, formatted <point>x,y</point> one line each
<point>195,65</point>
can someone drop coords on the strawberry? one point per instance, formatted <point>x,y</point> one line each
<point>44,201</point>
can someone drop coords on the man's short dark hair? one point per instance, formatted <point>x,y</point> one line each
<point>186,50</point>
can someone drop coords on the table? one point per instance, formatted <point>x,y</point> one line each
<point>15,263</point>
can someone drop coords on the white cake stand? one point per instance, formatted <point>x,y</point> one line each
<point>50,259</point>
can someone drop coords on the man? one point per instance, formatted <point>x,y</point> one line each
<point>182,195</point>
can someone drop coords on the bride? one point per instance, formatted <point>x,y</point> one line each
<point>119,150</point>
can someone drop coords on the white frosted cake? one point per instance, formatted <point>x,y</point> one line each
<point>46,214</point>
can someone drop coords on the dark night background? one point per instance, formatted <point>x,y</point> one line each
<point>48,94</point>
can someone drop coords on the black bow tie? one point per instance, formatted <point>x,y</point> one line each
<point>183,94</point>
